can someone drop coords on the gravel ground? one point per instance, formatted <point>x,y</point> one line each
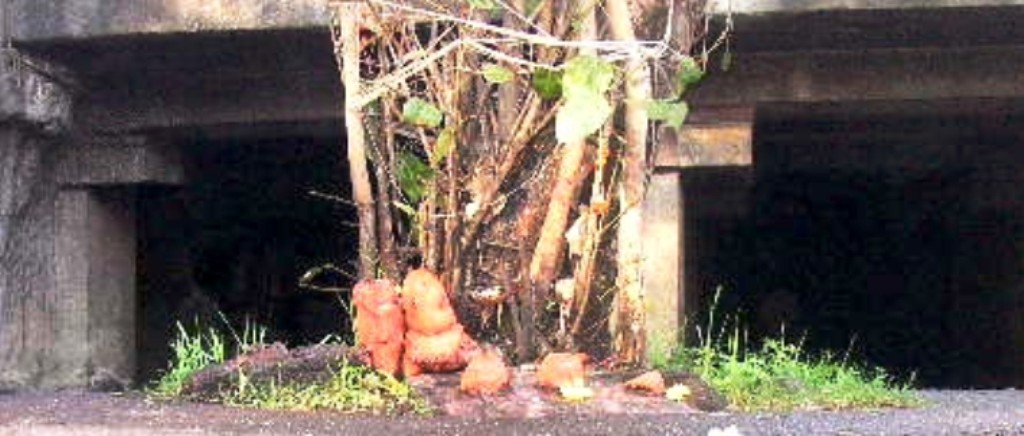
<point>84,413</point>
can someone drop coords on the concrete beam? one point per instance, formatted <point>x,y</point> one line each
<point>712,136</point>
<point>863,29</point>
<point>35,20</point>
<point>183,101</point>
<point>868,75</point>
<point>243,91</point>
<point>714,145</point>
<point>121,161</point>
<point>790,6</point>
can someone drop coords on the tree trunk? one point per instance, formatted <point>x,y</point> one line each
<point>383,154</point>
<point>362,188</point>
<point>551,245</point>
<point>628,316</point>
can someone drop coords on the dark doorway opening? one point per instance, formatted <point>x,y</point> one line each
<point>895,231</point>
<point>230,246</point>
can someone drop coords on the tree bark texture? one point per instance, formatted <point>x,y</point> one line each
<point>362,188</point>
<point>628,316</point>
<point>551,245</point>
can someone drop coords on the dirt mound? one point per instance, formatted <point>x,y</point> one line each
<point>273,362</point>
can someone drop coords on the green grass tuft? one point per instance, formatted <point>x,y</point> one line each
<point>352,388</point>
<point>780,376</point>
<point>193,351</point>
<point>200,347</point>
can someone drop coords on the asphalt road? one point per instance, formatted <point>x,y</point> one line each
<point>81,413</point>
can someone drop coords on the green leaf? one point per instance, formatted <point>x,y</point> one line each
<point>414,175</point>
<point>580,117</point>
<point>690,73</point>
<point>419,112</point>
<point>587,75</point>
<point>673,113</point>
<point>586,81</point>
<point>494,73</point>
<point>547,83</point>
<point>444,146</point>
<point>483,4</point>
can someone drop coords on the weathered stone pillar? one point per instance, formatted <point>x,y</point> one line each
<point>96,275</point>
<point>34,112</point>
<point>97,250</point>
<point>713,138</point>
<point>67,236</point>
<point>664,268</point>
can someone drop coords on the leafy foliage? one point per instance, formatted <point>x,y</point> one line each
<point>490,90</point>
<point>547,83</point>
<point>420,112</point>
<point>413,176</point>
<point>690,73</point>
<point>444,146</point>
<point>494,73</point>
<point>586,76</point>
<point>673,113</point>
<point>483,4</point>
<point>585,84</point>
<point>579,118</point>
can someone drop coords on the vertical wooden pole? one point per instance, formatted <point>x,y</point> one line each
<point>629,318</point>
<point>362,188</point>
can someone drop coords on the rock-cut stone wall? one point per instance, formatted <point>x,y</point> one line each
<point>33,112</point>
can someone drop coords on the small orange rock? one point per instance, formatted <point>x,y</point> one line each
<point>427,308</point>
<point>652,382</point>
<point>410,368</point>
<point>427,350</point>
<point>387,357</point>
<point>434,340</point>
<point>562,369</point>
<point>380,324</point>
<point>486,374</point>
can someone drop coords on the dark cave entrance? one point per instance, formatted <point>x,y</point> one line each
<point>232,244</point>
<point>893,230</point>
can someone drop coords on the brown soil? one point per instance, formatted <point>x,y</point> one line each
<point>525,400</point>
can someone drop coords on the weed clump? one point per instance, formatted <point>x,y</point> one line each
<point>352,388</point>
<point>193,351</point>
<point>347,388</point>
<point>781,376</point>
